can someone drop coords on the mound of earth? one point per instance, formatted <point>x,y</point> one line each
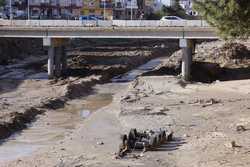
<point>212,61</point>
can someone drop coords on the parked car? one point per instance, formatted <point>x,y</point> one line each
<point>69,16</point>
<point>3,16</point>
<point>35,16</point>
<point>20,15</point>
<point>91,17</point>
<point>171,18</point>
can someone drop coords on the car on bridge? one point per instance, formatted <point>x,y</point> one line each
<point>91,17</point>
<point>171,18</point>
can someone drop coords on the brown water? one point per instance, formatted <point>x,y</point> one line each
<point>51,127</point>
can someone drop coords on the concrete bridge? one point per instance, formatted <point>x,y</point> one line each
<point>56,32</point>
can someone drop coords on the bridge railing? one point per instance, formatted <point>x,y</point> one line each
<point>103,23</point>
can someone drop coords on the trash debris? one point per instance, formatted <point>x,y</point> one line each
<point>143,141</point>
<point>186,135</point>
<point>240,128</point>
<point>100,143</point>
<point>205,103</point>
<point>232,144</point>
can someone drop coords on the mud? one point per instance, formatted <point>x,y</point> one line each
<point>25,87</point>
<point>204,118</point>
<point>18,121</point>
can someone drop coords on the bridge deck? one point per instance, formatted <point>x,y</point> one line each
<point>109,32</point>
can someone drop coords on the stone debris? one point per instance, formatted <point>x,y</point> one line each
<point>232,144</point>
<point>205,103</point>
<point>143,141</point>
<point>100,143</point>
<point>240,128</point>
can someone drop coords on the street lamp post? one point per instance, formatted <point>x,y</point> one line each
<point>131,10</point>
<point>104,10</point>
<point>10,9</point>
<point>28,3</point>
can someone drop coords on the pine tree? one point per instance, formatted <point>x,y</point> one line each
<point>230,17</point>
<point>2,3</point>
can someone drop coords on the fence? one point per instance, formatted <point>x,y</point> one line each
<point>104,23</point>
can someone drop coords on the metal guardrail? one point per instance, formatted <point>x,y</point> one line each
<point>103,23</point>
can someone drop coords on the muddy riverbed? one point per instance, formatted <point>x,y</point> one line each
<point>51,127</point>
<point>86,131</point>
<point>54,125</point>
<point>25,90</point>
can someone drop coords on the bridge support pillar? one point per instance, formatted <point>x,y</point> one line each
<point>57,60</point>
<point>188,49</point>
<point>51,59</point>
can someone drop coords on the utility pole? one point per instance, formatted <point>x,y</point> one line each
<point>104,10</point>
<point>11,17</point>
<point>28,3</point>
<point>131,10</point>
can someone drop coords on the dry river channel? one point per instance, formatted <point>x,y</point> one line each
<point>55,125</point>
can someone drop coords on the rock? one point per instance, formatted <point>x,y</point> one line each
<point>100,143</point>
<point>240,128</point>
<point>232,144</point>
<point>164,109</point>
<point>159,93</point>
<point>186,135</point>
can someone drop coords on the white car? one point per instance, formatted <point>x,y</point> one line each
<point>171,18</point>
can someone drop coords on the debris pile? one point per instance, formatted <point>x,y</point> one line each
<point>233,51</point>
<point>226,55</point>
<point>143,141</point>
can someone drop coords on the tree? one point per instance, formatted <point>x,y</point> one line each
<point>2,3</point>
<point>230,17</point>
<point>175,10</point>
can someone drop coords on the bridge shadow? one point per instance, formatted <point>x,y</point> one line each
<point>205,72</point>
<point>107,66</point>
<point>210,72</point>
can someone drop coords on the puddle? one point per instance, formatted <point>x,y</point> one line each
<point>131,75</point>
<point>85,113</point>
<point>52,127</point>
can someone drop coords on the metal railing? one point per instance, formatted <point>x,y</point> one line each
<point>103,23</point>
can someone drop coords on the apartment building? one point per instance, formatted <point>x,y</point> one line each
<point>169,3</point>
<point>55,8</point>
<point>102,8</point>
<point>46,9</point>
<point>187,5</point>
<point>119,10</point>
<point>128,9</point>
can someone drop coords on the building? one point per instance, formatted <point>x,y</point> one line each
<point>119,10</point>
<point>148,6</point>
<point>98,8</point>
<point>131,9</point>
<point>65,9</point>
<point>187,5</point>
<point>128,9</point>
<point>168,3</point>
<point>46,9</point>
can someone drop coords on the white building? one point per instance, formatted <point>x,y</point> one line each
<point>187,5</point>
<point>125,9</point>
<point>168,3</point>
